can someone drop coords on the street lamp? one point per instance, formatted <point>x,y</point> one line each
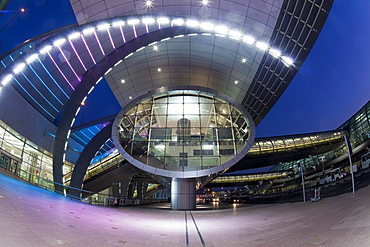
<point>21,10</point>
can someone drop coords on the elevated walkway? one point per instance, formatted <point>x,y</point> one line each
<point>108,177</point>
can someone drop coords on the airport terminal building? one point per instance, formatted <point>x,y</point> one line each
<point>191,81</point>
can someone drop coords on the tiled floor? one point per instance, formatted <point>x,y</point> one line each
<point>30,216</point>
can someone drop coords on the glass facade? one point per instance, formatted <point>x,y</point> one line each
<point>183,131</point>
<point>25,159</point>
<point>358,127</point>
<point>275,145</point>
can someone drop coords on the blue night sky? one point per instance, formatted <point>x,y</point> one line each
<point>330,87</point>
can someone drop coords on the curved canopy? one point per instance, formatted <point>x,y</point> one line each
<point>247,50</point>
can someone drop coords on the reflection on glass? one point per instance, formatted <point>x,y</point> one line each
<point>183,131</point>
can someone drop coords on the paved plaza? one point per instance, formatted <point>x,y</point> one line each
<point>31,216</point>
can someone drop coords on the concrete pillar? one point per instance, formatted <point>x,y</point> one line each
<point>131,190</point>
<point>124,187</point>
<point>145,187</point>
<point>183,194</point>
<point>139,189</point>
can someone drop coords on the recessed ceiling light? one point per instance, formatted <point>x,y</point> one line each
<point>159,69</point>
<point>205,2</point>
<point>19,68</point>
<point>123,81</point>
<point>288,61</point>
<point>74,35</point>
<point>155,47</point>
<point>244,60</point>
<point>130,97</point>
<point>32,58</point>
<point>262,46</point>
<point>148,3</point>
<point>59,42</point>
<point>163,20</point>
<point>275,53</point>
<point>6,79</point>
<point>236,82</point>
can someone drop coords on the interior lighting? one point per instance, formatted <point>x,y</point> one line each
<point>155,47</point>
<point>45,49</point>
<point>244,60</point>
<point>88,30</point>
<point>163,20</point>
<point>59,42</point>
<point>207,26</point>
<point>236,82</point>
<point>123,81</point>
<point>130,97</point>
<point>248,39</point>
<point>148,20</point>
<point>288,61</point>
<point>103,26</point>
<point>6,79</point>
<point>118,23</point>
<point>32,58</point>
<point>179,36</point>
<point>74,36</point>
<point>178,22</point>
<point>19,68</point>
<point>262,46</point>
<point>159,69</point>
<point>275,53</point>
<point>133,21</point>
<point>22,10</point>
<point>192,23</point>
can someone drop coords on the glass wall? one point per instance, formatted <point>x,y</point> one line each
<point>358,127</point>
<point>275,145</point>
<point>25,159</point>
<point>183,132</point>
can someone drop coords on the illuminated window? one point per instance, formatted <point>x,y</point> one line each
<point>183,131</point>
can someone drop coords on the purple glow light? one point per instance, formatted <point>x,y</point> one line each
<point>123,36</point>
<point>65,58</point>
<point>78,56</point>
<point>97,39</point>
<point>133,28</point>
<point>111,40</point>
<point>87,48</point>
<point>61,72</point>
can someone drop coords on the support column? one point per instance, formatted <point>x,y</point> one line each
<point>183,193</point>
<point>124,187</point>
<point>139,189</point>
<point>131,190</point>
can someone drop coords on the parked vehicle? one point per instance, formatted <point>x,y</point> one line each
<point>331,176</point>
